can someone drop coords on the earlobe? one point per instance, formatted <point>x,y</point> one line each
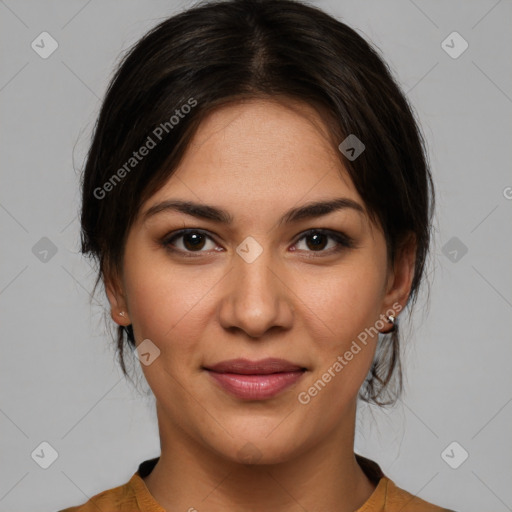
<point>118,306</point>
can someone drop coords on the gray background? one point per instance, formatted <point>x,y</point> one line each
<point>59,381</point>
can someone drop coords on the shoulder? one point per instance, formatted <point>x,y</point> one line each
<point>399,499</point>
<point>388,497</point>
<point>122,498</point>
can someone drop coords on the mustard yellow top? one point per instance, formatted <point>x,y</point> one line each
<point>134,496</point>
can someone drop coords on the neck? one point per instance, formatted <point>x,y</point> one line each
<point>325,476</point>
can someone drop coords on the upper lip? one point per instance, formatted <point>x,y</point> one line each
<point>261,367</point>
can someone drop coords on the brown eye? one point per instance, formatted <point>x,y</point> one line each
<point>317,240</point>
<point>192,240</point>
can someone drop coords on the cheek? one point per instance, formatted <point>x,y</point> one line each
<point>344,302</point>
<point>342,308</point>
<point>165,303</point>
<point>166,309</point>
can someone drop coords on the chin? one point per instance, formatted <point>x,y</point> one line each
<point>259,449</point>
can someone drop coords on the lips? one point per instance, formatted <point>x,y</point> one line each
<point>262,367</point>
<point>255,380</point>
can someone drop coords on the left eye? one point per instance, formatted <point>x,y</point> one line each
<point>319,236</point>
<point>193,240</point>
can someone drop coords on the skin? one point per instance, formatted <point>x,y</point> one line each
<point>257,159</point>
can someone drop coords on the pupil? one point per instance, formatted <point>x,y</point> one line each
<point>196,240</point>
<point>317,244</point>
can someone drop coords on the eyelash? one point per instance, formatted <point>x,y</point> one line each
<point>344,241</point>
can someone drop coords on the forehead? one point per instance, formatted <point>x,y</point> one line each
<point>277,137</point>
<point>260,155</point>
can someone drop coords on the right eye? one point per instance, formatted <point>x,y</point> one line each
<point>192,240</point>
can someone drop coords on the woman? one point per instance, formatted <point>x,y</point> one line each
<point>258,198</point>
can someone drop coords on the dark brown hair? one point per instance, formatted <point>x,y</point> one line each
<point>219,52</point>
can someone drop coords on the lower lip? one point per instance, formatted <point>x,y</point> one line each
<point>256,387</point>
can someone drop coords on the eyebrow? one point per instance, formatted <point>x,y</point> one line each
<point>202,211</point>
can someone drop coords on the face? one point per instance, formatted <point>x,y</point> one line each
<point>300,288</point>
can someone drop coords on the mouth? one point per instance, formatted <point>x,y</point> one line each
<point>255,380</point>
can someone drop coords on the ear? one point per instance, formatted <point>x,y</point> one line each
<point>117,299</point>
<point>400,276</point>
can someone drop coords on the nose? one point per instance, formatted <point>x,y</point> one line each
<point>257,297</point>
